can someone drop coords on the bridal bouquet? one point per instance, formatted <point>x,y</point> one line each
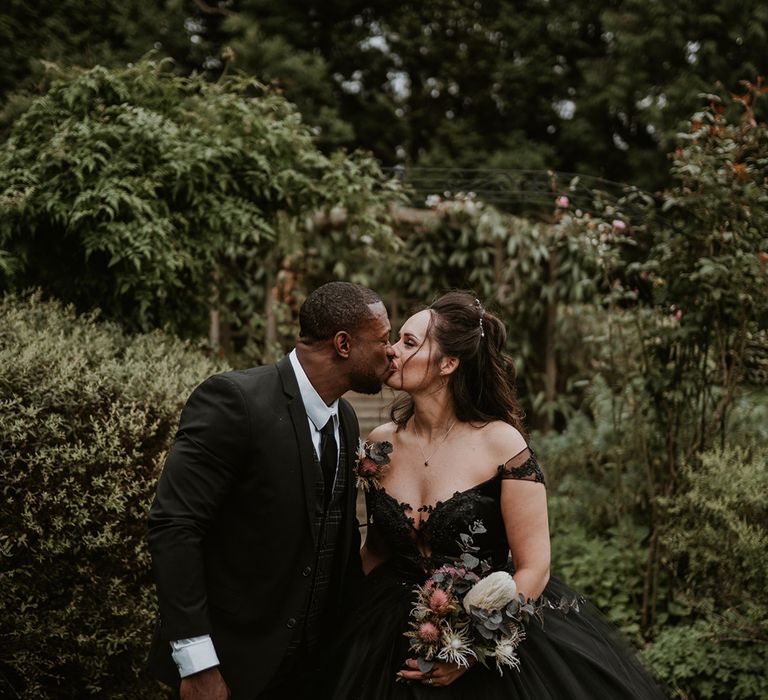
<point>372,463</point>
<point>461,614</point>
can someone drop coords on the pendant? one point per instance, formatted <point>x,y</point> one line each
<point>426,464</point>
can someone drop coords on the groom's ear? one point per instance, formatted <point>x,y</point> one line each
<point>342,343</point>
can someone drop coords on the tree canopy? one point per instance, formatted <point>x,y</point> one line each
<point>148,194</point>
<point>598,87</point>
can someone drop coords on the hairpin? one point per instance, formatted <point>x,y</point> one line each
<point>482,313</point>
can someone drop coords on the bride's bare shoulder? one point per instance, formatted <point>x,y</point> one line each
<point>385,431</point>
<point>504,438</point>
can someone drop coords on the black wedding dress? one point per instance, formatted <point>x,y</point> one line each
<point>573,656</point>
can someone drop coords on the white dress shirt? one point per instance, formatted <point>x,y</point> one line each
<point>198,653</point>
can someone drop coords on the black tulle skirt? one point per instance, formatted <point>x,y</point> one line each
<point>573,656</point>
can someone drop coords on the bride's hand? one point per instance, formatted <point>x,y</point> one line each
<point>441,674</point>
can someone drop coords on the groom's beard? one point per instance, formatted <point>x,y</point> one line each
<point>367,382</point>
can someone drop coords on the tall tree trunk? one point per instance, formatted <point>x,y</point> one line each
<point>498,268</point>
<point>270,294</point>
<point>214,316</point>
<point>550,358</point>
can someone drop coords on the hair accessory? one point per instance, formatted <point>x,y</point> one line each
<point>482,313</point>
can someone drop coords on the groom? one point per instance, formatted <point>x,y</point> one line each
<point>253,531</point>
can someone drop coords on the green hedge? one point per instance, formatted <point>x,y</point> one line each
<point>86,415</point>
<point>710,637</point>
<point>718,539</point>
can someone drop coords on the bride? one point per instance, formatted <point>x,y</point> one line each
<point>459,457</point>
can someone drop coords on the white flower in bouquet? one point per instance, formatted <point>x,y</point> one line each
<point>505,653</point>
<point>493,592</point>
<point>460,617</point>
<point>456,648</point>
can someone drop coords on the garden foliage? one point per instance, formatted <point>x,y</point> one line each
<point>639,329</point>
<point>86,416</point>
<point>591,87</point>
<point>675,389</point>
<point>157,198</point>
<point>718,534</point>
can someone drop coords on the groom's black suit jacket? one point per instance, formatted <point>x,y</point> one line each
<point>232,529</point>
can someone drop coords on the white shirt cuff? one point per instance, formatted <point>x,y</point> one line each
<point>194,654</point>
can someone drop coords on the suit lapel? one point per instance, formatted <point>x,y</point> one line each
<point>303,440</point>
<point>351,434</point>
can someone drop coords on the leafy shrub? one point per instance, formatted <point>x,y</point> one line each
<point>159,197</point>
<point>86,415</point>
<point>722,508</point>
<point>599,537</point>
<point>606,569</point>
<point>717,537</point>
<point>700,659</point>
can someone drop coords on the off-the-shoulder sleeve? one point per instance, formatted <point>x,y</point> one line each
<point>523,466</point>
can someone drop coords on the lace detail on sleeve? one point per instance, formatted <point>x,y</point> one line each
<point>523,466</point>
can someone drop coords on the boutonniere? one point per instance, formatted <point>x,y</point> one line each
<point>372,463</point>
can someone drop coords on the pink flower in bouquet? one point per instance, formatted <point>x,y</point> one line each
<point>372,463</point>
<point>459,615</point>
<point>440,601</point>
<point>430,583</point>
<point>452,571</point>
<point>368,468</point>
<point>563,202</point>
<point>618,225</point>
<point>428,633</point>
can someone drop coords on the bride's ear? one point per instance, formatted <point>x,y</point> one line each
<point>448,365</point>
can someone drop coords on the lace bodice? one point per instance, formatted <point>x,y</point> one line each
<point>412,548</point>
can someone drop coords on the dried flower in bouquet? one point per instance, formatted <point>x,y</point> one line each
<point>467,612</point>
<point>372,463</point>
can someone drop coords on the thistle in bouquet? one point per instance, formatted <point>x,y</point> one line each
<point>466,612</point>
<point>372,463</point>
<point>440,630</point>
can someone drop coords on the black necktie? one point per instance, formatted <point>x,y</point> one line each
<point>328,456</point>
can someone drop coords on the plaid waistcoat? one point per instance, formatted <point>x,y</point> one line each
<point>328,520</point>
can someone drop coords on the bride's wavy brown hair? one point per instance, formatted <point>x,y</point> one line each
<point>483,385</point>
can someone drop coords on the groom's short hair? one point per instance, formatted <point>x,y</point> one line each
<point>334,307</point>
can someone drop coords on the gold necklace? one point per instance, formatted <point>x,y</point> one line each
<point>431,454</point>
